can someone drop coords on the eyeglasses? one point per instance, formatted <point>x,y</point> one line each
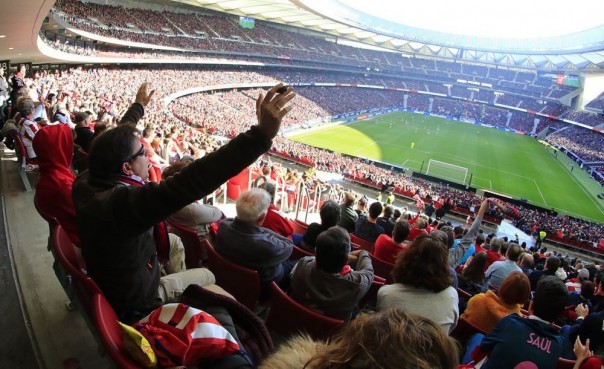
<point>140,152</point>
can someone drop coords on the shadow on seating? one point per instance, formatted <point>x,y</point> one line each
<point>242,283</point>
<point>109,333</point>
<point>382,269</point>
<point>363,244</point>
<point>298,253</point>
<point>287,317</point>
<point>464,330</point>
<point>195,251</point>
<point>370,298</point>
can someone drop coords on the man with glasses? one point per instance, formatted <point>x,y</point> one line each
<point>120,215</point>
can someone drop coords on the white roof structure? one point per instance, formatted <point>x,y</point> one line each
<point>579,51</point>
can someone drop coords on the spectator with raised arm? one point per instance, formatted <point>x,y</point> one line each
<point>456,254</point>
<point>120,214</point>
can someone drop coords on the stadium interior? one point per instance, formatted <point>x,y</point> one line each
<point>208,60</point>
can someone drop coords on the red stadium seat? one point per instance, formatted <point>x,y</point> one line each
<point>195,251</point>
<point>298,253</point>
<point>287,317</point>
<point>382,269</point>
<point>71,271</point>
<point>464,330</point>
<point>242,283</point>
<point>363,244</point>
<point>463,294</point>
<point>110,333</point>
<point>299,226</point>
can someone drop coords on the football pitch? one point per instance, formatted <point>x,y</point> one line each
<point>503,162</point>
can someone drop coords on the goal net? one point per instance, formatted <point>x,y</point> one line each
<point>447,171</point>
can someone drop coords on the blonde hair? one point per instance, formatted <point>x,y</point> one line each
<point>390,339</point>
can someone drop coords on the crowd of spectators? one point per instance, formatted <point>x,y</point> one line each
<point>200,31</point>
<point>195,125</point>
<point>597,103</point>
<point>591,119</point>
<point>513,100</point>
<point>103,91</point>
<point>586,144</point>
<point>564,227</point>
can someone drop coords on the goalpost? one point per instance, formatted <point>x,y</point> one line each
<point>448,171</point>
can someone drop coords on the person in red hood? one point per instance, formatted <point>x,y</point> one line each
<point>54,149</point>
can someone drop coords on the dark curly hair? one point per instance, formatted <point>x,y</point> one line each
<point>424,264</point>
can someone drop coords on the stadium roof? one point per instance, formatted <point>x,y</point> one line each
<point>577,49</point>
<point>580,51</point>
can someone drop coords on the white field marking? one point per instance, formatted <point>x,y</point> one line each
<point>374,143</point>
<point>485,180</point>
<point>467,161</point>
<point>540,193</point>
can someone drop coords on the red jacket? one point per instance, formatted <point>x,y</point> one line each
<point>277,222</point>
<point>492,256</point>
<point>53,145</point>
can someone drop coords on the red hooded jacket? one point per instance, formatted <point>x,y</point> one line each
<point>54,147</point>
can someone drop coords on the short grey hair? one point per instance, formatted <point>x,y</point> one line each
<point>496,244</point>
<point>252,204</point>
<point>25,106</point>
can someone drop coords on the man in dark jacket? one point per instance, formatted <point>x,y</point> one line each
<point>366,227</point>
<point>119,214</point>
<point>327,282</point>
<point>243,241</point>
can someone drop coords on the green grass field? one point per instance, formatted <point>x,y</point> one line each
<point>504,162</point>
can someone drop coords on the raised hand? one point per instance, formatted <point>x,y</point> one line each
<point>271,109</point>
<point>142,97</point>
